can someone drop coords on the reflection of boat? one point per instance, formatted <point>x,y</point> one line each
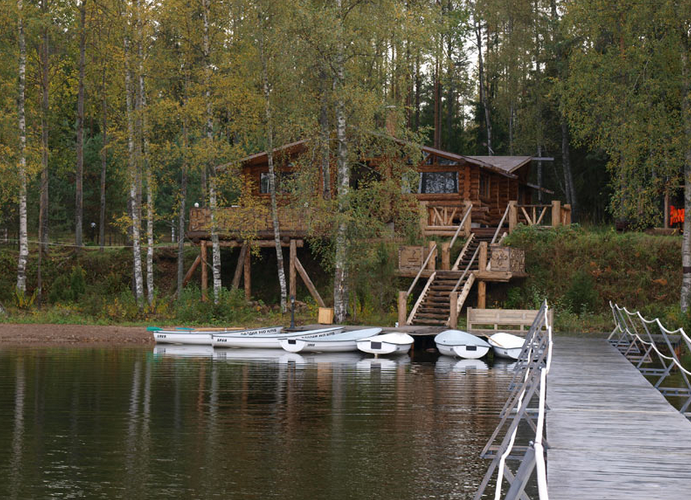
<point>184,351</point>
<point>332,358</point>
<point>504,364</point>
<point>200,336</point>
<point>465,365</point>
<point>269,338</point>
<point>341,342</point>
<point>248,354</point>
<point>369,364</point>
<point>461,344</point>
<point>388,343</point>
<point>506,345</point>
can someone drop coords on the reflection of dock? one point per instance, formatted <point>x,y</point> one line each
<point>611,434</point>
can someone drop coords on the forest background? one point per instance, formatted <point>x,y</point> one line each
<point>115,113</point>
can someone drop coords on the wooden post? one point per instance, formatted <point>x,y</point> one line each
<point>469,220</point>
<point>445,256</point>
<point>402,307</point>
<point>205,269</point>
<point>432,265</point>
<point>453,309</point>
<point>248,275</point>
<point>481,295</point>
<point>513,215</point>
<point>482,258</point>
<point>567,215</point>
<point>556,213</point>
<point>424,216</point>
<point>238,268</point>
<point>291,271</point>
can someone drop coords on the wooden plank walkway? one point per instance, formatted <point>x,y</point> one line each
<point>611,434</point>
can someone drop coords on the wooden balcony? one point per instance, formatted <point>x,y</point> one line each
<point>247,222</point>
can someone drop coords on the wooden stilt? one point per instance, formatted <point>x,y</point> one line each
<point>205,269</point>
<point>453,309</point>
<point>191,271</point>
<point>402,307</point>
<point>292,270</point>
<point>248,275</point>
<point>238,268</point>
<point>482,295</point>
<point>308,282</point>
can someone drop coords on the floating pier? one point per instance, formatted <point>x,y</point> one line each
<point>611,434</point>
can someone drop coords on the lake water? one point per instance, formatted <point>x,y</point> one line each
<point>141,423</point>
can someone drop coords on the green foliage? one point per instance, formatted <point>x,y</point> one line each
<point>23,300</point>
<point>581,295</point>
<point>232,308</point>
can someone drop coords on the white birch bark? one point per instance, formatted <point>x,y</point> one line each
<point>215,245</point>
<point>133,167</point>
<point>23,237</point>
<point>342,192</point>
<point>79,195</point>
<point>150,292</point>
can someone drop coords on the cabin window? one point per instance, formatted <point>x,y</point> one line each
<point>484,186</point>
<point>438,182</point>
<point>284,181</point>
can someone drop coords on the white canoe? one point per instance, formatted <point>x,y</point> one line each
<point>191,336</point>
<point>341,342</point>
<point>461,344</point>
<point>388,343</point>
<point>506,345</point>
<point>267,338</point>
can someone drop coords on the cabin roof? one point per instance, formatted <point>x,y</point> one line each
<point>508,164</point>
<point>502,165</point>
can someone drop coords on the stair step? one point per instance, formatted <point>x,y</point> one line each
<point>429,322</point>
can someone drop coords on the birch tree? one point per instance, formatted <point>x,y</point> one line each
<point>22,170</point>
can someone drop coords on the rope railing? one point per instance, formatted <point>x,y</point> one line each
<point>631,342</point>
<point>532,368</point>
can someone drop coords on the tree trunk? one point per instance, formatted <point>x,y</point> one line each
<point>686,113</point>
<point>272,176</point>
<point>23,237</point>
<point>79,201</point>
<point>483,90</point>
<point>104,162</point>
<point>45,110</point>
<point>183,191</point>
<point>133,165</point>
<point>215,245</point>
<point>343,188</point>
<point>566,162</point>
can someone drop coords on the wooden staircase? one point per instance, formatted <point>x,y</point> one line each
<point>432,307</point>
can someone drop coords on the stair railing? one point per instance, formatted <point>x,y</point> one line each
<point>467,269</point>
<point>463,251</point>
<point>461,225</point>
<point>501,223</point>
<point>417,305</point>
<point>422,268</point>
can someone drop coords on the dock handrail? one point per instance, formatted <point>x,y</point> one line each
<point>532,369</point>
<point>433,249</point>
<point>630,342</point>
<point>501,223</point>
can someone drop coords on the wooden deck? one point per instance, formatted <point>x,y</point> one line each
<point>611,434</point>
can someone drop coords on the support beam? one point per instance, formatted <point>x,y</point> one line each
<point>308,282</point>
<point>556,213</point>
<point>482,295</point>
<point>205,269</point>
<point>453,309</point>
<point>513,215</point>
<point>191,271</point>
<point>482,258</point>
<point>431,248</point>
<point>248,276</point>
<point>259,243</point>
<point>238,268</point>
<point>292,271</point>
<point>402,307</point>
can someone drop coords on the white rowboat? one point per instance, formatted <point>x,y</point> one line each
<point>268,338</point>
<point>388,343</point>
<point>191,336</point>
<point>506,345</point>
<point>461,344</point>
<point>341,342</point>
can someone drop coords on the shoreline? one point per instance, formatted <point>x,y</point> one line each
<point>52,335</point>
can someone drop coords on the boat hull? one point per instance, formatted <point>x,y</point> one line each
<point>506,345</point>
<point>390,343</point>
<point>461,344</point>
<point>464,351</point>
<point>507,353</point>
<point>268,339</point>
<point>344,342</point>
<point>189,338</point>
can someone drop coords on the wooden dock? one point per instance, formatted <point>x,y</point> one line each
<point>611,434</point>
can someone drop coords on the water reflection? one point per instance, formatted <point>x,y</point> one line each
<point>133,423</point>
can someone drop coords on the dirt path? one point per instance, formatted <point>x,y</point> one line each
<point>73,335</point>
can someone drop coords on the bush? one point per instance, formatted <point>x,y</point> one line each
<point>581,296</point>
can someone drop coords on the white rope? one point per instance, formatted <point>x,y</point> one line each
<point>626,330</point>
<point>539,448</point>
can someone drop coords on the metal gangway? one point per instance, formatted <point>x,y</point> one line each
<point>524,407</point>
<point>637,338</point>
